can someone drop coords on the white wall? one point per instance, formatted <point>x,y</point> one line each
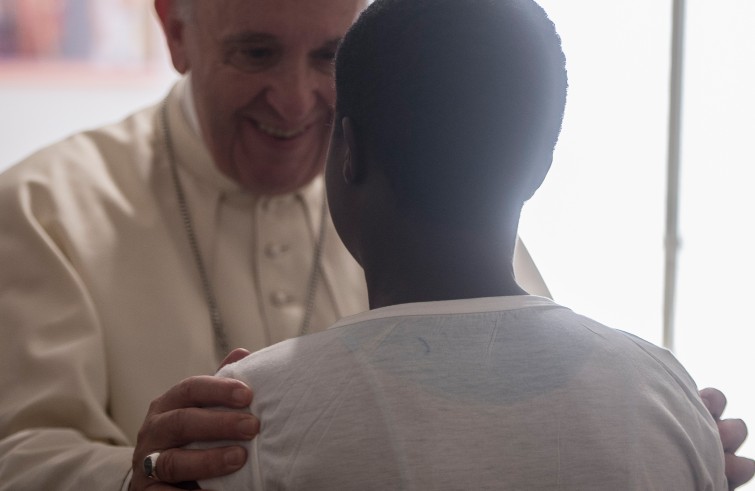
<point>716,330</point>
<point>596,226</point>
<point>38,115</point>
<point>45,100</point>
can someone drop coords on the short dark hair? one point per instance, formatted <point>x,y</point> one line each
<point>461,100</point>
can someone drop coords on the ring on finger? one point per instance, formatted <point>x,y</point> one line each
<point>150,466</point>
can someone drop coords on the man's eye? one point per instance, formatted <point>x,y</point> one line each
<point>328,55</point>
<point>251,59</point>
<point>324,61</point>
<point>258,53</point>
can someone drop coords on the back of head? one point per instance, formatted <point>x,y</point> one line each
<point>460,101</point>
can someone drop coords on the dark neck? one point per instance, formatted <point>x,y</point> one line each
<point>421,264</point>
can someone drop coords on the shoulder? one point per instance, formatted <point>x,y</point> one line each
<point>632,391</point>
<point>628,354</point>
<point>291,357</point>
<point>600,355</point>
<point>629,350</point>
<point>312,368</point>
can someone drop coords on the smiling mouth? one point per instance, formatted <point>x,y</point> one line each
<point>279,132</point>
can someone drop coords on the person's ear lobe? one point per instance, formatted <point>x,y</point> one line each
<point>353,167</point>
<point>173,28</point>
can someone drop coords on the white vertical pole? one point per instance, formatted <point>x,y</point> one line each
<point>672,184</point>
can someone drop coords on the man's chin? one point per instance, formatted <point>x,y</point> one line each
<point>277,181</point>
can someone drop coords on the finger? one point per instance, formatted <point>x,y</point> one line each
<point>182,426</point>
<point>714,400</point>
<point>203,391</point>
<point>142,482</point>
<point>733,433</point>
<point>158,486</point>
<point>739,470</point>
<point>176,465</point>
<point>234,356</point>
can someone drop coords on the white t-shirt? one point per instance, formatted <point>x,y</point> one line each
<point>491,393</point>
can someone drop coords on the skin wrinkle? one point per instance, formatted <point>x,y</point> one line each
<point>263,89</point>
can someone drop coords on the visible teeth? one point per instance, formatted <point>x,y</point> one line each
<point>279,133</point>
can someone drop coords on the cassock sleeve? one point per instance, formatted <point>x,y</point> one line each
<point>55,432</point>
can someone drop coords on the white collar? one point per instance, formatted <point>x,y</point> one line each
<point>189,109</point>
<point>450,307</point>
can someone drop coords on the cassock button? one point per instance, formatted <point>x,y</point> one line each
<point>281,299</point>
<point>273,204</point>
<point>270,205</point>
<point>274,250</point>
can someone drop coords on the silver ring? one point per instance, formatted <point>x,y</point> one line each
<point>150,466</point>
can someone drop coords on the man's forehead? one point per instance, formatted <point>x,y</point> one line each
<point>266,15</point>
<point>307,24</point>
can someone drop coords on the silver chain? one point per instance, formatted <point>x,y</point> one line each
<point>314,275</point>
<point>221,339</point>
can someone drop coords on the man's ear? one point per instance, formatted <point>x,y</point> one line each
<point>173,28</point>
<point>354,169</point>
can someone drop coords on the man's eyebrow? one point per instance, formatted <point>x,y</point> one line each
<point>261,37</point>
<point>332,43</point>
<point>250,37</point>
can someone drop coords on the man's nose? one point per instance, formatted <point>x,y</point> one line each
<point>293,93</point>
